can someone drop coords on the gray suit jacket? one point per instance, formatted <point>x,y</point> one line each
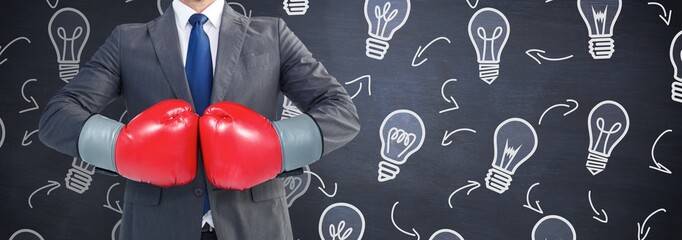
<point>257,58</point>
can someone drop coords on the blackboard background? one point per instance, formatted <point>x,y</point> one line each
<point>638,76</point>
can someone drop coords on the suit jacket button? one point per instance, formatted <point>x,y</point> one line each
<point>199,192</point>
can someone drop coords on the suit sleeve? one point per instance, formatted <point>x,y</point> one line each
<point>96,85</point>
<point>315,92</point>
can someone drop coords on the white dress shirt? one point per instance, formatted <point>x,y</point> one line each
<point>214,12</point>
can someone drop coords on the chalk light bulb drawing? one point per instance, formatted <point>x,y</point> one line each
<point>489,31</point>
<point>402,134</point>
<point>341,221</point>
<point>515,141</point>
<point>600,17</point>
<point>384,17</point>
<point>79,177</point>
<point>676,60</point>
<point>69,31</point>
<point>607,124</point>
<point>296,7</point>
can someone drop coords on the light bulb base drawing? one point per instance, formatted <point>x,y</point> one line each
<point>67,71</point>
<point>488,72</point>
<point>601,48</point>
<point>296,7</point>
<point>376,48</point>
<point>676,92</point>
<point>596,163</point>
<point>79,177</point>
<point>497,180</point>
<point>387,171</point>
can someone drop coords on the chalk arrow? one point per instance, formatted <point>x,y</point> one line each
<point>51,183</point>
<point>369,85</point>
<point>32,100</point>
<point>449,99</point>
<point>53,4</point>
<point>640,228</point>
<point>535,54</point>
<point>472,5</point>
<point>666,16</point>
<point>108,205</point>
<point>421,50</point>
<point>2,49</point>
<point>537,203</point>
<point>659,167</point>
<point>605,217</point>
<point>413,233</point>
<point>560,105</point>
<point>26,136</point>
<point>448,134</point>
<point>472,185</point>
<point>322,189</point>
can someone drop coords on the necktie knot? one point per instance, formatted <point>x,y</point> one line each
<point>198,18</point>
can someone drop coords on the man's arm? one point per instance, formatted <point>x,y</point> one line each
<point>315,92</point>
<point>96,85</point>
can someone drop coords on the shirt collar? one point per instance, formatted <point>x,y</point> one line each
<point>214,12</point>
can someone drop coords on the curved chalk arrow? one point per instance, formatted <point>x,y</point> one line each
<point>606,217</point>
<point>659,167</point>
<point>640,228</point>
<point>53,5</point>
<point>449,99</point>
<point>421,50</point>
<point>472,184</point>
<point>535,54</point>
<point>2,50</point>
<point>2,132</point>
<point>322,183</point>
<point>666,14</point>
<point>472,5</point>
<point>113,231</point>
<point>23,94</point>
<point>369,85</point>
<point>51,183</point>
<point>26,231</point>
<point>560,105</point>
<point>537,203</point>
<point>414,232</point>
<point>26,136</point>
<point>108,205</point>
<point>448,134</point>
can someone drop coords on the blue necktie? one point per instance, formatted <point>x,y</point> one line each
<point>199,70</point>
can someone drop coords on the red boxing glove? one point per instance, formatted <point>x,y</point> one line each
<point>241,148</point>
<point>159,146</point>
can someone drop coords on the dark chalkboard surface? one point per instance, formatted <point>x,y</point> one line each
<point>534,119</point>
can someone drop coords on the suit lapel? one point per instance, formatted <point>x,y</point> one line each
<point>232,33</point>
<point>164,35</point>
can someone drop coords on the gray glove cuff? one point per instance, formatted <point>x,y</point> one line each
<point>97,141</point>
<point>301,141</point>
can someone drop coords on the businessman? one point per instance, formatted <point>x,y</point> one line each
<point>203,151</point>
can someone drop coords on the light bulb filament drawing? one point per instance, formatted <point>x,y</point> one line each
<point>509,154</point>
<point>600,20</point>
<point>384,15</point>
<point>401,137</point>
<point>337,232</point>
<point>489,42</point>
<point>615,128</point>
<point>69,43</point>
